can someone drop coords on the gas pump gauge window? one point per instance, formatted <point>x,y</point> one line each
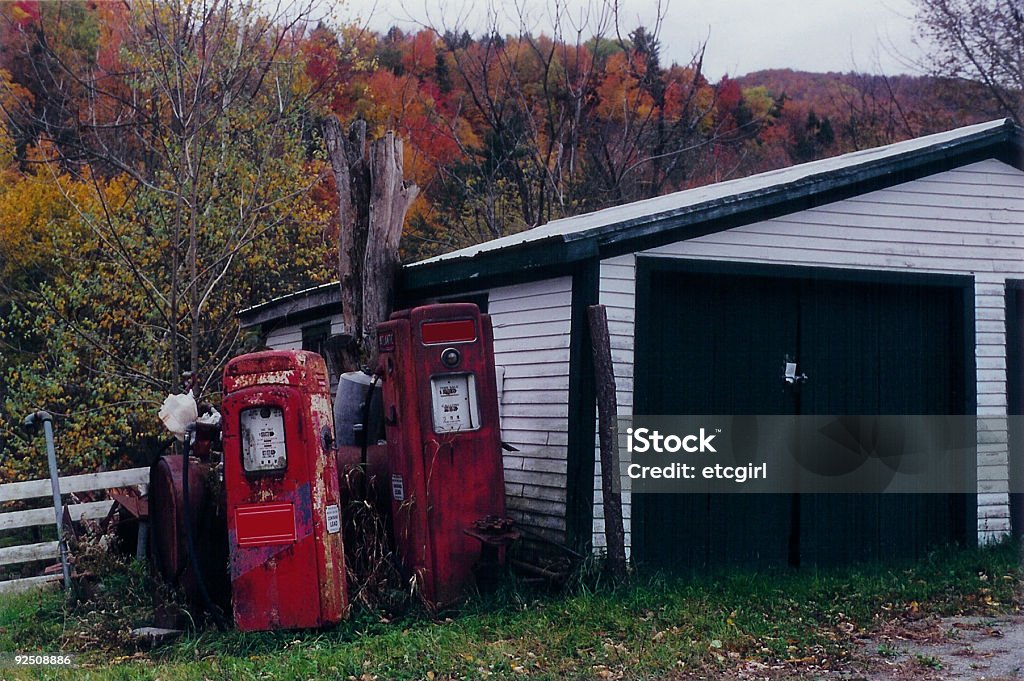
<point>453,403</point>
<point>262,435</point>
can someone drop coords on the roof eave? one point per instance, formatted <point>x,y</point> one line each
<point>534,259</point>
<point>292,306</point>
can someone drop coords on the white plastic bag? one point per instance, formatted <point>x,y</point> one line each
<point>177,412</point>
<point>210,418</point>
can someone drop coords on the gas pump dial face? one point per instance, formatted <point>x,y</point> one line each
<point>453,403</point>
<point>263,445</point>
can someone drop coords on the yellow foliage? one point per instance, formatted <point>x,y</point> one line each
<point>11,95</point>
<point>759,100</point>
<point>43,215</point>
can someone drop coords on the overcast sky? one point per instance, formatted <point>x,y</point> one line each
<point>743,35</point>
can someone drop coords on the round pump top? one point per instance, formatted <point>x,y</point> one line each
<point>277,367</point>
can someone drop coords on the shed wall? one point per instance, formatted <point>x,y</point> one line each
<point>964,221</point>
<point>531,348</point>
<point>289,336</point>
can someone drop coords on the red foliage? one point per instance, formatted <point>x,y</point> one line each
<point>25,12</point>
<point>729,95</point>
<point>419,56</point>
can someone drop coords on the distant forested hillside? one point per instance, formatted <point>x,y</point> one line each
<point>866,110</point>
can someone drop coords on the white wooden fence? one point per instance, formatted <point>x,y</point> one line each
<point>33,489</point>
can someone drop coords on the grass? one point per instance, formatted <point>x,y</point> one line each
<point>888,652</point>
<point>929,661</point>
<point>659,626</point>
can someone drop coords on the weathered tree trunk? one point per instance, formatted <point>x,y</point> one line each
<point>390,199</point>
<point>352,181</point>
<point>373,199</point>
<point>608,435</point>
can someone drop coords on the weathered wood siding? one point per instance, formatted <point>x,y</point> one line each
<point>289,336</point>
<point>531,348</point>
<point>964,221</point>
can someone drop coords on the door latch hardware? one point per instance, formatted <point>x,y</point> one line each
<point>791,375</point>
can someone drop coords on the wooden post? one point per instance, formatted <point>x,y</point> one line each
<point>608,434</point>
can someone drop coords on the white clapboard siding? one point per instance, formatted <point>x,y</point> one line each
<point>968,221</point>
<point>289,336</point>
<point>285,338</point>
<point>531,342</point>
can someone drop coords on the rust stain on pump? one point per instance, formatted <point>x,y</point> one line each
<point>441,415</point>
<point>287,561</point>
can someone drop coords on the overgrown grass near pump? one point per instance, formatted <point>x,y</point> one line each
<point>658,626</point>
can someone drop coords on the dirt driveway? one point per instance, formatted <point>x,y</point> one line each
<point>989,648</point>
<point>929,649</point>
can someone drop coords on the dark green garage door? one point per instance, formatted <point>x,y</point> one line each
<point>714,342</point>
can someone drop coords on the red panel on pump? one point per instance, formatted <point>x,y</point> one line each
<point>441,411</point>
<point>287,562</point>
<point>458,331</point>
<point>265,524</point>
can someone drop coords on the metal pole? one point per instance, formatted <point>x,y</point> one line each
<point>58,507</point>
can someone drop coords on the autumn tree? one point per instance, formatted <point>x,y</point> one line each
<point>181,185</point>
<point>507,178</point>
<point>576,120</point>
<point>978,40</point>
<point>507,131</point>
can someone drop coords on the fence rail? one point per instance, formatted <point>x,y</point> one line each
<point>72,484</point>
<point>24,553</point>
<point>32,489</point>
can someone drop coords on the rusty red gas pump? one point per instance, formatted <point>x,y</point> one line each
<point>287,562</point>
<point>444,442</point>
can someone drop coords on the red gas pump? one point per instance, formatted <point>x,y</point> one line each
<point>444,442</point>
<point>287,562</point>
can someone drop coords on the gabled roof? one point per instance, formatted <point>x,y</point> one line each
<point>560,245</point>
<point>703,210</point>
